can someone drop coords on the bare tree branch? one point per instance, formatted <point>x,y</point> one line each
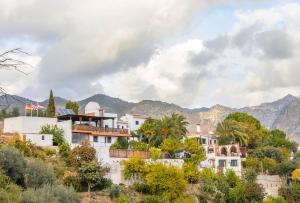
<point>9,62</point>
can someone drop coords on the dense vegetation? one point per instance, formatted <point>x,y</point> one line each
<point>7,114</point>
<point>33,174</point>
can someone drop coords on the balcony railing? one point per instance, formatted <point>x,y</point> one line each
<point>100,129</point>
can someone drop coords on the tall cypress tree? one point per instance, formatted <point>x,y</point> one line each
<point>50,112</point>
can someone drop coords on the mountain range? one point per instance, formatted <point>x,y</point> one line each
<point>283,114</point>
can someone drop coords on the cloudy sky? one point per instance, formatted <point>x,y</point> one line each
<point>193,53</point>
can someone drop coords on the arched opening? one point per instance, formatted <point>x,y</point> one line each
<point>224,151</point>
<point>233,150</point>
<point>210,150</point>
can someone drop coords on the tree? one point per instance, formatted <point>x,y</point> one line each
<point>13,164</point>
<point>136,145</point>
<point>121,143</point>
<point>50,112</point>
<point>73,106</point>
<point>167,181</point>
<point>155,153</point>
<point>241,128</point>
<point>58,133</point>
<point>296,174</point>
<point>38,174</point>
<point>82,154</point>
<point>135,169</point>
<point>194,151</point>
<point>171,146</point>
<point>92,173</point>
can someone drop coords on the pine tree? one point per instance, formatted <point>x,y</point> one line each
<point>50,112</point>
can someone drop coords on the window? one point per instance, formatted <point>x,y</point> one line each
<point>107,139</point>
<point>215,141</point>
<point>222,163</point>
<point>210,142</point>
<point>234,163</point>
<point>203,141</point>
<point>43,137</point>
<point>78,138</point>
<point>118,126</point>
<point>106,126</point>
<point>137,122</point>
<point>95,138</point>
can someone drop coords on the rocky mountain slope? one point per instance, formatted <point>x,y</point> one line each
<point>283,113</point>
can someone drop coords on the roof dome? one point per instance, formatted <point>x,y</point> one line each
<point>92,107</point>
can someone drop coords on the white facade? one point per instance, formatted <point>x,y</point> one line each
<point>26,124</point>
<point>134,121</point>
<point>42,140</point>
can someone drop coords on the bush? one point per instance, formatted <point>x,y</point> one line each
<point>171,146</point>
<point>152,199</point>
<point>167,181</point>
<point>136,145</point>
<point>122,199</point>
<point>64,150</point>
<point>142,188</point>
<point>38,174</point>
<point>11,193</point>
<point>73,181</point>
<point>13,164</point>
<point>155,153</point>
<point>50,152</point>
<point>82,154</point>
<point>275,200</point>
<point>114,192</point>
<point>121,143</point>
<point>253,163</point>
<point>191,172</point>
<point>47,193</point>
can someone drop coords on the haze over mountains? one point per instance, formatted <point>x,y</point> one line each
<point>283,113</point>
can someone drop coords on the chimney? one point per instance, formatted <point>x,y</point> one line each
<point>101,112</point>
<point>198,128</point>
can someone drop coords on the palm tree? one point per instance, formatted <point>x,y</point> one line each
<point>233,131</point>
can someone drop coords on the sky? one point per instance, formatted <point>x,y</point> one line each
<point>192,53</point>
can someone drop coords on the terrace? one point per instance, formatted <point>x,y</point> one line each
<point>77,128</point>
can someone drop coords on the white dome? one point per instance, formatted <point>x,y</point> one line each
<point>92,107</point>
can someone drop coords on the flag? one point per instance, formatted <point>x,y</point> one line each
<point>34,106</point>
<point>28,107</point>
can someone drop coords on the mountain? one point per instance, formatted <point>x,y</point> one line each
<point>282,114</point>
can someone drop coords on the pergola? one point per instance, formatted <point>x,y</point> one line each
<point>87,118</point>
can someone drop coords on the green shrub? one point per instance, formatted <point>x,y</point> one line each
<point>47,193</point>
<point>121,143</point>
<point>114,191</point>
<point>136,145</point>
<point>171,146</point>
<point>155,153</point>
<point>142,188</point>
<point>122,199</point>
<point>38,174</point>
<point>10,194</point>
<point>191,172</point>
<point>73,181</point>
<point>152,199</point>
<point>13,164</point>
<point>50,152</point>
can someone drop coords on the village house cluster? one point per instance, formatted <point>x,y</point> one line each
<point>102,129</point>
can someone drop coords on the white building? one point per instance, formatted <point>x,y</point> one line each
<point>95,126</point>
<point>134,121</point>
<point>218,157</point>
<point>29,129</point>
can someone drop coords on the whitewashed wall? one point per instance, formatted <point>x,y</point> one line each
<point>26,124</point>
<point>38,140</point>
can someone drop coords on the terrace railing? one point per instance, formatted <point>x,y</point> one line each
<point>100,129</point>
<point>124,153</point>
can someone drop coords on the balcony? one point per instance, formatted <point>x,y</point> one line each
<point>99,130</point>
<point>124,153</point>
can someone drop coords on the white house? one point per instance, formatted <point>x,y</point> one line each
<point>134,121</point>
<point>218,157</point>
<point>29,129</point>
